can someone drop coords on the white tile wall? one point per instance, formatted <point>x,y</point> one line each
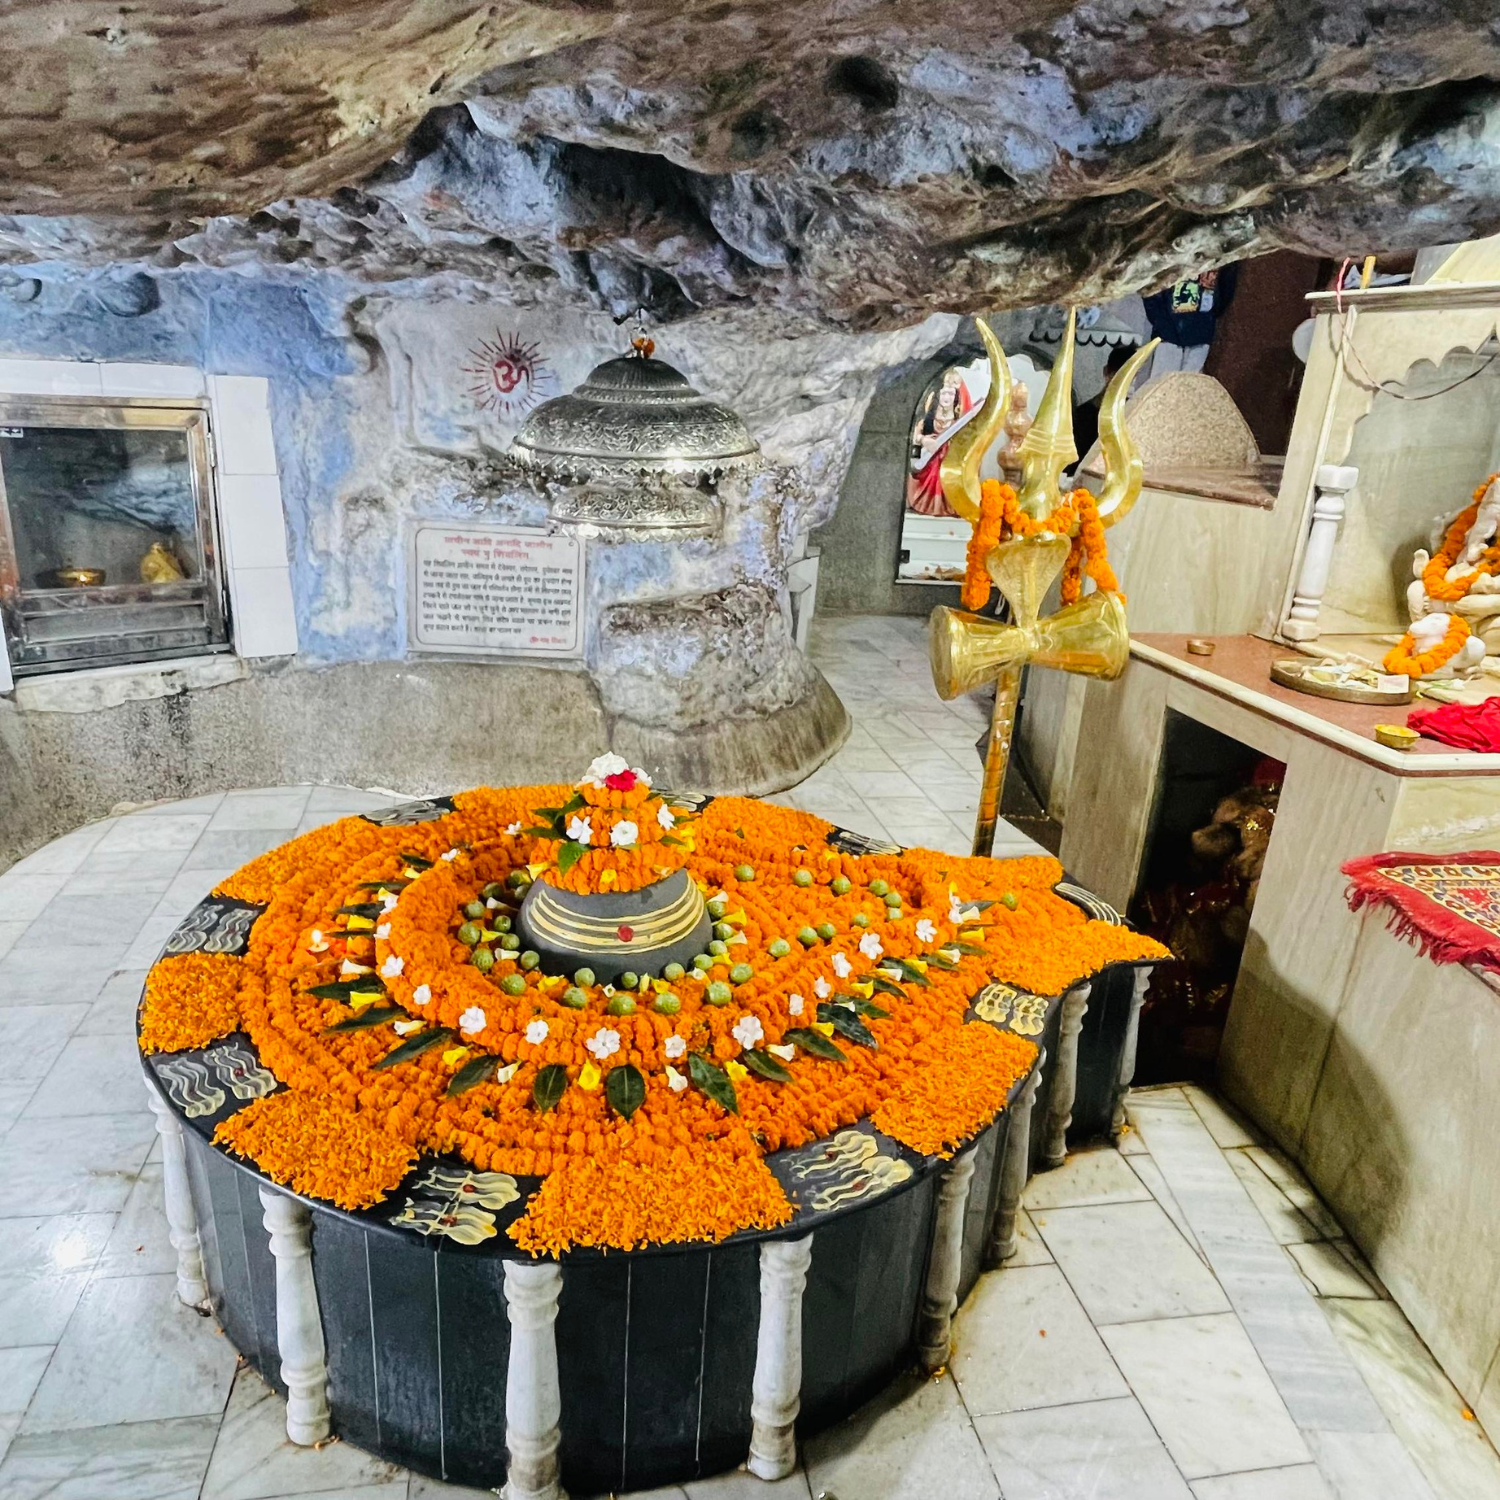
<point>251,517</point>
<point>242,424</point>
<point>265,623</point>
<point>49,377</point>
<point>152,380</point>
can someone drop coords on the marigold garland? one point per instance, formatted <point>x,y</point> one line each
<point>1001,518</point>
<point>1404,659</point>
<point>317,1148</point>
<point>932,1080</point>
<point>191,999</point>
<point>1435,578</point>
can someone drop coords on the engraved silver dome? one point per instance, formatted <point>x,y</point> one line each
<point>633,415</point>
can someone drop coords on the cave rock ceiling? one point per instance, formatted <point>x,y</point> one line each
<point>862,162</point>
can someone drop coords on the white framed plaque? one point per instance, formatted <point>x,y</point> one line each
<point>495,590</point>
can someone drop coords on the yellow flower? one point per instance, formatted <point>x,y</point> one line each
<point>360,924</point>
<point>454,1055</point>
<point>361,998</point>
<point>737,1071</point>
<point>589,1078</point>
<point>826,1027</point>
<point>864,991</point>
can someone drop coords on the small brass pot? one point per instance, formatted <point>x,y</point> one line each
<point>72,578</point>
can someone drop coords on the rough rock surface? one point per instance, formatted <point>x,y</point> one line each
<point>864,161</point>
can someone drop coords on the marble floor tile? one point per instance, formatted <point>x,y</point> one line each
<point>156,831</point>
<point>281,807</point>
<point>139,1244</point>
<point>14,1097</point>
<point>35,1036</point>
<point>344,801</point>
<point>151,939</point>
<point>880,787</point>
<point>207,803</point>
<point>108,874</point>
<point>1369,1466</point>
<point>1023,1340</point>
<point>863,758</point>
<point>55,1166</point>
<point>1224,1123</point>
<point>1300,1482</point>
<point>134,1461</point>
<point>1286,1223</point>
<point>1104,1450</point>
<point>357,1492</point>
<point>20,1370</point>
<point>1207,1393</point>
<point>113,1013</point>
<point>23,897</point>
<point>1327,1271</point>
<point>1031,1249</point>
<point>1129,1142</point>
<point>9,932</point>
<point>1296,1189</point>
<point>1150,1174</point>
<point>1097,1176</point>
<point>103,922</point>
<point>191,886</point>
<point>132,1353</point>
<point>912,1442</point>
<point>738,1484</point>
<point>253,1458</point>
<point>423,1488</point>
<point>1126,1261</point>
<point>1423,1408</point>
<point>45,1264</point>
<point>63,855</point>
<point>94,1075</point>
<point>221,847</point>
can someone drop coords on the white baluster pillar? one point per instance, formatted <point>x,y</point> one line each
<point>1334,481</point>
<point>776,1394</point>
<point>1015,1168</point>
<point>1065,1078</point>
<point>299,1328</point>
<point>182,1217</point>
<point>533,1395</point>
<point>940,1295</point>
<point>1142,981</point>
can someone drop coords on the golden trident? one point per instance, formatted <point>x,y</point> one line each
<point>1090,636</point>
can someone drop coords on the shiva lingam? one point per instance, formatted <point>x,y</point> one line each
<point>1022,541</point>
<point>614,900</point>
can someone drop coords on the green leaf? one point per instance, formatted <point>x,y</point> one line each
<point>846,1023</point>
<point>576,801</point>
<point>551,814</point>
<point>362,909</point>
<point>887,986</point>
<point>474,1072</point>
<point>382,885</point>
<point>346,989</point>
<point>714,1082</point>
<point>416,861</point>
<point>549,1086</point>
<point>815,1042</point>
<point>568,855</point>
<point>542,831</point>
<point>676,843</point>
<point>968,948</point>
<point>913,974</point>
<point>376,1015</point>
<point>940,960</point>
<point>414,1046</point>
<point>767,1067</point>
<point>625,1089</point>
<point>864,1007</point>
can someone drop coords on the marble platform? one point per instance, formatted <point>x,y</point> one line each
<point>1194,1244</point>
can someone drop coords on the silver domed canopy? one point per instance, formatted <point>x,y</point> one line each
<point>633,415</point>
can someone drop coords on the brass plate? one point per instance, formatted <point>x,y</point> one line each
<point>1289,673</point>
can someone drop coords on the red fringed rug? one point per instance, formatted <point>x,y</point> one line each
<point>1448,903</point>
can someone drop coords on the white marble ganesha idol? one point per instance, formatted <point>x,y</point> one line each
<point>1470,562</point>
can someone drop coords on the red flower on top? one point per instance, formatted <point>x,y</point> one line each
<point>621,781</point>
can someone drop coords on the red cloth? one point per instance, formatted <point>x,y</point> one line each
<point>1448,903</point>
<point>1470,726</point>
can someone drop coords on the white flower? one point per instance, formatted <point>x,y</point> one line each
<point>748,1031</point>
<point>473,1020</point>
<point>392,967</point>
<point>675,1081</point>
<point>794,1004</point>
<point>926,931</point>
<point>421,995</point>
<point>536,1032</point>
<point>675,1046</point>
<point>786,1053</point>
<point>507,1072</point>
<point>604,1043</point>
<point>405,1028</point>
<point>388,902</point>
<point>822,989</point>
<point>383,931</point>
<point>666,817</point>
<point>513,829</point>
<point>350,970</point>
<point>841,966</point>
<point>698,974</point>
<point>579,830</point>
<point>623,834</point>
<point>450,856</point>
<point>869,945</point>
<point>608,764</point>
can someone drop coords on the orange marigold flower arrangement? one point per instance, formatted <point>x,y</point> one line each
<point>386,987</point>
<point>191,999</point>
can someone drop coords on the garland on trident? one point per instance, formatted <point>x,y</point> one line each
<point>1001,518</point>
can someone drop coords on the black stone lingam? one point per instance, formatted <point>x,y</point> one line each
<point>614,933</point>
